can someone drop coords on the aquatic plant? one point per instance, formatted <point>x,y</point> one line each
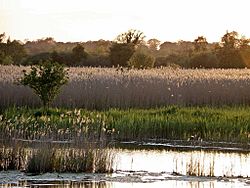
<point>46,157</point>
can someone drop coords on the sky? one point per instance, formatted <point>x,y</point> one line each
<point>84,20</point>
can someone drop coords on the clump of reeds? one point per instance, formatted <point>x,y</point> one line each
<point>48,158</point>
<point>11,158</point>
<point>63,125</point>
<point>196,164</point>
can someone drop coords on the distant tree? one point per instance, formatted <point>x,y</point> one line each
<point>120,53</point>
<point>78,53</point>
<point>153,44</point>
<point>141,60</point>
<point>185,47</point>
<point>132,36</point>
<point>37,58</point>
<point>230,40</point>
<point>46,80</point>
<point>55,56</point>
<point>124,47</point>
<point>5,60</point>
<point>200,44</point>
<point>2,37</point>
<point>172,60</point>
<point>205,59</point>
<point>229,50</point>
<point>16,50</point>
<point>97,48</point>
<point>12,52</point>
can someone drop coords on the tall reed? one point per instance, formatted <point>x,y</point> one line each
<point>46,157</point>
<point>102,88</point>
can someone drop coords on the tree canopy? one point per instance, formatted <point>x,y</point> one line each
<point>132,36</point>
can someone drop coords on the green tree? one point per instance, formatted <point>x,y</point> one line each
<point>16,50</point>
<point>78,53</point>
<point>141,60</point>
<point>46,80</point>
<point>124,47</point>
<point>229,50</point>
<point>12,52</point>
<point>121,53</point>
<point>202,60</point>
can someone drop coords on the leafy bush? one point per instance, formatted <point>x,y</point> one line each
<point>45,79</point>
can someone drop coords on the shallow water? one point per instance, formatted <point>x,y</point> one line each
<point>118,179</point>
<point>196,162</point>
<point>154,167</point>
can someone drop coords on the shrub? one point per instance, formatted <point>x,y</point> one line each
<point>45,79</point>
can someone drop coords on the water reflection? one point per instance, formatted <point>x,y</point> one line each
<point>197,163</point>
<point>158,184</point>
<point>58,184</point>
<point>150,168</point>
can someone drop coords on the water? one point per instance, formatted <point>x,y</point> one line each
<point>153,167</point>
<point>117,180</point>
<point>197,162</point>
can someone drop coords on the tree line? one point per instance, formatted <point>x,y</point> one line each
<point>130,49</point>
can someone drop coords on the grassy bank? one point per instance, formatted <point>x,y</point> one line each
<point>230,124</point>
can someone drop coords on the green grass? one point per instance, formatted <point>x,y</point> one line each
<point>230,124</point>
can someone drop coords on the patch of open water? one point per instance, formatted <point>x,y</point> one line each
<point>152,166</point>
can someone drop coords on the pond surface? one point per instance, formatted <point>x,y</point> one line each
<point>176,167</point>
<point>118,179</point>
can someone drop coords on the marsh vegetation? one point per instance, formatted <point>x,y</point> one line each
<point>104,88</point>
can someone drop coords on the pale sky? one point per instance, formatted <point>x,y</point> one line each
<point>83,20</point>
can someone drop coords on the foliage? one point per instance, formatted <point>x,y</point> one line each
<point>35,59</point>
<point>5,60</point>
<point>46,80</point>
<point>200,44</point>
<point>231,40</point>
<point>75,58</point>
<point>172,60</point>
<point>78,53</point>
<point>132,36</point>
<point>120,53</point>
<point>229,50</point>
<point>124,46</point>
<point>203,60</point>
<point>153,44</point>
<point>11,52</point>
<point>141,60</point>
